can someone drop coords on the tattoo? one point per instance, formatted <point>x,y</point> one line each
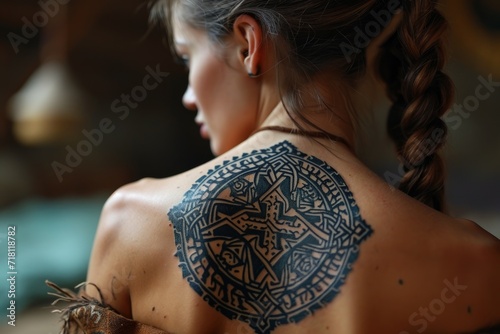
<point>269,237</point>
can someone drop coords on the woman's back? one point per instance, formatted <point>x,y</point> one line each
<point>286,231</point>
<point>281,233</point>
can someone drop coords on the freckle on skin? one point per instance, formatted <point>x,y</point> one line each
<point>154,308</point>
<point>469,309</point>
<point>401,282</point>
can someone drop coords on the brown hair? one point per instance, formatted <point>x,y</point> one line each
<point>317,36</point>
<point>411,64</point>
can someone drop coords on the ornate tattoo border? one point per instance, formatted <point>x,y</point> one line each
<point>269,237</point>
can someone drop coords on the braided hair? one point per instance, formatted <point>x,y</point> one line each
<point>411,64</point>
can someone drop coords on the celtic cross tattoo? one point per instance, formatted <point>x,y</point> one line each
<point>269,237</point>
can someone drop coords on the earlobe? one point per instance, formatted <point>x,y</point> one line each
<point>254,75</point>
<point>248,36</point>
<point>245,54</point>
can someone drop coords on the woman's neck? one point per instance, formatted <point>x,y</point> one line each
<point>336,122</point>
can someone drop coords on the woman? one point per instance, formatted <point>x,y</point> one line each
<point>286,231</point>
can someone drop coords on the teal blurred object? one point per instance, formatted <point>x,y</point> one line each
<point>53,241</point>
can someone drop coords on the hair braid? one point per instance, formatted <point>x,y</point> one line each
<point>411,65</point>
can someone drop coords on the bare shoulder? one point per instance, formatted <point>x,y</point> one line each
<point>475,255</point>
<point>484,251</point>
<point>130,208</point>
<point>131,226</point>
<point>427,264</point>
<point>467,260</point>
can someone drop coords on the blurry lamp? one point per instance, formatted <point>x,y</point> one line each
<point>49,107</point>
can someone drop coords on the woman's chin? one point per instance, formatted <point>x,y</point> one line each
<point>215,148</point>
<point>204,132</point>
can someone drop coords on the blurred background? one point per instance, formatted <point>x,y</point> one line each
<point>90,100</point>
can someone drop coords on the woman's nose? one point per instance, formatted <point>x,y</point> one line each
<point>189,100</point>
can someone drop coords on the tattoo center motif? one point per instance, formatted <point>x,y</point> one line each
<point>269,237</point>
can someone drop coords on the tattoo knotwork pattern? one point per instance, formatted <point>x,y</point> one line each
<point>269,237</point>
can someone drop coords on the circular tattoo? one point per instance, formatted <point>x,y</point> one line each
<point>269,237</point>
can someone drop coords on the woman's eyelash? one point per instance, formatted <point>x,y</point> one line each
<point>182,60</point>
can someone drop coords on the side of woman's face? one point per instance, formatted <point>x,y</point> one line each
<point>220,91</point>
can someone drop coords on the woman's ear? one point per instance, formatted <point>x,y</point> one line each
<point>248,38</point>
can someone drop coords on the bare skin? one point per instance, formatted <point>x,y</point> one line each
<point>416,260</point>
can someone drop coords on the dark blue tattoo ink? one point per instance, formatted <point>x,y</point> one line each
<point>269,237</point>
